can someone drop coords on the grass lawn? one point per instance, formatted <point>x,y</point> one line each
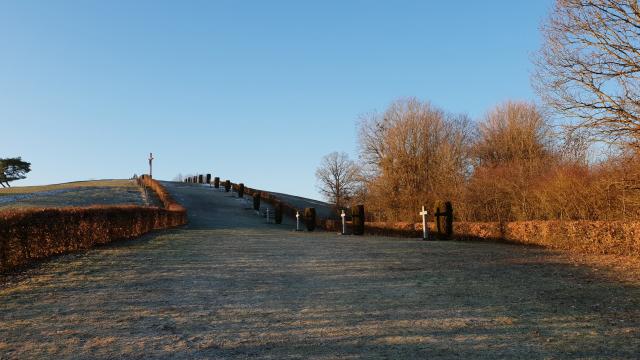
<point>79,193</point>
<point>75,184</point>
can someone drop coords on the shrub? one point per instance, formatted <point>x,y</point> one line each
<point>256,201</point>
<point>277,207</point>
<point>357,215</point>
<point>310,218</point>
<point>32,234</point>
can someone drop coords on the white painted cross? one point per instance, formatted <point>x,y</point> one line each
<point>425,231</point>
<point>343,215</point>
<point>297,221</point>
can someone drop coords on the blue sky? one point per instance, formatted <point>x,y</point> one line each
<point>255,91</point>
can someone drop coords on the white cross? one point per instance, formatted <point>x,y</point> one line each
<point>297,221</point>
<point>425,231</point>
<point>343,215</point>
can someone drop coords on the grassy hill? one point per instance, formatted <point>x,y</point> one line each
<point>79,193</point>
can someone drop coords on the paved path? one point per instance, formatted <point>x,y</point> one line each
<point>229,285</point>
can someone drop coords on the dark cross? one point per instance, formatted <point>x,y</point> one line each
<point>151,165</point>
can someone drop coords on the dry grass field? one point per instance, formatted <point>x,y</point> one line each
<point>231,286</point>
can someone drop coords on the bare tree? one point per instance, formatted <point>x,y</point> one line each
<point>511,166</point>
<point>372,129</point>
<point>338,178</point>
<point>514,149</point>
<point>418,153</point>
<point>589,66</point>
<point>575,147</point>
<point>513,131</point>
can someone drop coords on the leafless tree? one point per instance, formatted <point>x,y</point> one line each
<point>513,131</point>
<point>338,178</point>
<point>512,166</point>
<point>514,149</point>
<point>372,129</point>
<point>418,153</point>
<point>589,66</point>
<point>575,146</point>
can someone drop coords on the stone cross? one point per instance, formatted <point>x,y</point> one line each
<point>151,165</point>
<point>343,215</point>
<point>425,231</point>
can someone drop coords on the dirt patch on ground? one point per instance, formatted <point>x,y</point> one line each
<point>230,285</point>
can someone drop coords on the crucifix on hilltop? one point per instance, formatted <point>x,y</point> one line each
<point>151,165</point>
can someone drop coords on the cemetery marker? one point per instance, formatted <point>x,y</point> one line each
<point>425,231</point>
<point>151,165</point>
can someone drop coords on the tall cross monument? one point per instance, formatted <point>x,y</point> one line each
<point>151,165</point>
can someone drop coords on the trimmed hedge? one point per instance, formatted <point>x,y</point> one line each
<point>588,237</point>
<point>357,215</point>
<point>310,219</point>
<point>32,234</point>
<point>256,201</point>
<point>287,209</point>
<point>593,237</point>
<point>277,209</point>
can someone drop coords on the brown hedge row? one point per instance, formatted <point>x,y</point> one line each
<point>167,201</point>
<point>32,234</point>
<point>589,237</point>
<point>287,209</point>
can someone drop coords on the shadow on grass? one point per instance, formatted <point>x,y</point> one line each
<point>206,291</point>
<point>224,293</point>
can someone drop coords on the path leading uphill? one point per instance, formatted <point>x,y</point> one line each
<point>229,285</point>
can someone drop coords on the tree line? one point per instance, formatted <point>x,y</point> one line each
<point>515,163</point>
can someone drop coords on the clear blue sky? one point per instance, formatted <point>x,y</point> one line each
<point>255,91</point>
